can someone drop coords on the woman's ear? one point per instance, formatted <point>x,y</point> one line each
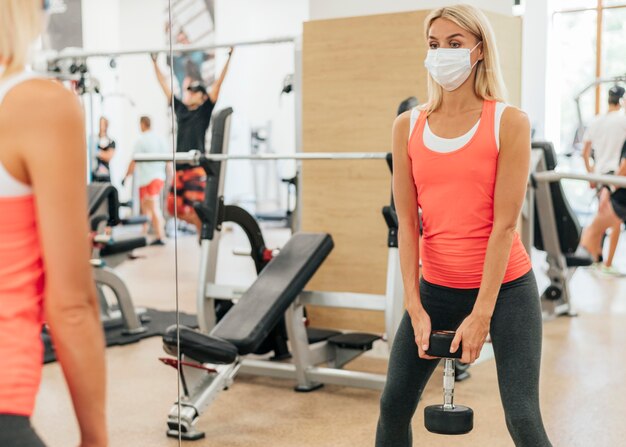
<point>481,55</point>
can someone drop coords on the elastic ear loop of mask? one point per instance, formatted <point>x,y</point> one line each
<point>477,60</point>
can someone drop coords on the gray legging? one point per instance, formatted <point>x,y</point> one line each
<point>516,337</point>
<point>16,431</point>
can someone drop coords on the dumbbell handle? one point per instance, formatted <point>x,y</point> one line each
<point>448,384</point>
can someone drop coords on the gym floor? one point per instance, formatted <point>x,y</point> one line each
<point>582,375</point>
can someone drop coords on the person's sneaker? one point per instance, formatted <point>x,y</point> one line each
<point>157,242</point>
<point>610,271</point>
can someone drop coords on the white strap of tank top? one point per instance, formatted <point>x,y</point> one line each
<point>7,84</point>
<point>415,113</point>
<point>500,107</point>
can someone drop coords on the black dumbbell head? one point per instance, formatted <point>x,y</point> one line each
<point>455,421</point>
<point>439,345</point>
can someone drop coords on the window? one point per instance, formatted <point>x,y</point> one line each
<point>575,61</point>
<point>566,5</point>
<point>613,42</point>
<point>589,40</point>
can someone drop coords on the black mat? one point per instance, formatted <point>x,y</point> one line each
<point>155,320</point>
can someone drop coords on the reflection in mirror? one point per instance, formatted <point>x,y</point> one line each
<point>101,51</point>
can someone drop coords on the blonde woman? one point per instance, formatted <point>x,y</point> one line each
<point>44,250</point>
<point>463,159</point>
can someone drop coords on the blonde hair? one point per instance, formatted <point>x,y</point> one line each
<point>488,83</point>
<point>20,24</point>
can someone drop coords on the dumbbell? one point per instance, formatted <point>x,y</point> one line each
<point>447,419</point>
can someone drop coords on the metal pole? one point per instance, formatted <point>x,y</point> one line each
<point>195,156</point>
<point>91,138</point>
<point>553,176</point>
<point>599,81</point>
<point>297,91</point>
<point>81,54</point>
<point>448,384</point>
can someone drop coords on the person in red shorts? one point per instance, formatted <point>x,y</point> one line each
<point>151,178</point>
<point>193,116</point>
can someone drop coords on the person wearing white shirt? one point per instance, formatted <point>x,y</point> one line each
<point>606,136</point>
<point>150,177</point>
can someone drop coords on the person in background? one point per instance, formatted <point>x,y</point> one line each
<point>151,178</point>
<point>605,136</point>
<point>45,274</point>
<point>193,116</point>
<point>105,150</point>
<point>611,213</point>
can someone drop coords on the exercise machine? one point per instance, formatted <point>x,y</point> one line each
<point>550,225</point>
<point>107,252</point>
<point>211,358</point>
<point>557,232</point>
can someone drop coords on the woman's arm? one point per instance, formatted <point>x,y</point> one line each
<point>510,189</point>
<point>405,198</point>
<point>106,155</point>
<point>57,176</point>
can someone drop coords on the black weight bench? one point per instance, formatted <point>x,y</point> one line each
<point>242,330</point>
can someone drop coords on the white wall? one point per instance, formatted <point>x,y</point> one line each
<point>121,25</point>
<point>252,87</point>
<point>330,9</point>
<point>142,26</point>
<point>535,34</point>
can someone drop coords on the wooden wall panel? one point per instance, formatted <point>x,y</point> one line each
<point>508,31</point>
<point>355,73</point>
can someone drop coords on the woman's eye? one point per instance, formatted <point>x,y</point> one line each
<point>433,46</point>
<point>455,45</point>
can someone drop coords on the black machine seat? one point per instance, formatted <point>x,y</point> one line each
<point>246,326</point>
<point>316,335</point>
<point>258,311</point>
<point>201,347</point>
<point>358,341</point>
<point>122,246</point>
<point>568,228</point>
<point>575,261</point>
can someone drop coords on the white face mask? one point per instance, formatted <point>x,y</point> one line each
<point>450,67</point>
